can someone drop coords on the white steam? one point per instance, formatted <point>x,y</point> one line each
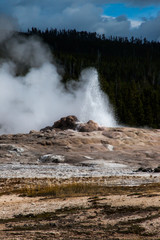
<point>38,98</point>
<point>7,27</point>
<point>94,103</point>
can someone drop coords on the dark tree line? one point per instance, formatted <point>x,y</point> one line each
<point>129,70</point>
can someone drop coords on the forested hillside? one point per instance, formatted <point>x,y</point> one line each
<point>129,70</point>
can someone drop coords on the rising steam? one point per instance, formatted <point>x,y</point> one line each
<point>94,103</point>
<point>38,98</point>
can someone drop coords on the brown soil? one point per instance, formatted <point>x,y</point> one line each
<point>120,206</point>
<point>118,213</point>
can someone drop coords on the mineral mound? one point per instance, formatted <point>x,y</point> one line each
<point>72,122</point>
<point>79,143</point>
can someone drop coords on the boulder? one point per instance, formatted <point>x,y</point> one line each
<point>64,123</point>
<point>90,126</point>
<point>141,169</point>
<point>52,158</point>
<point>157,170</point>
<point>11,148</point>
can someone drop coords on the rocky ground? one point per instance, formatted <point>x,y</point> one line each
<point>123,162</point>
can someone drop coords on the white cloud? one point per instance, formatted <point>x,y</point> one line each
<point>149,29</point>
<point>135,23</point>
<point>80,15</point>
<point>116,26</point>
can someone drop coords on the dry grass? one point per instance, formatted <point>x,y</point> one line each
<point>63,190</point>
<point>75,189</point>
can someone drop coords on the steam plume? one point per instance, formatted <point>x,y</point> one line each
<point>38,98</point>
<point>7,27</point>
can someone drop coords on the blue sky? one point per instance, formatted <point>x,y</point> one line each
<point>132,12</point>
<point>126,18</point>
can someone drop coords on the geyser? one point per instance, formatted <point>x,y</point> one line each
<point>39,98</point>
<point>94,103</point>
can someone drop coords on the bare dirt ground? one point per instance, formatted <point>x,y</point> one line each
<point>119,213</point>
<point>113,151</point>
<point>113,200</point>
